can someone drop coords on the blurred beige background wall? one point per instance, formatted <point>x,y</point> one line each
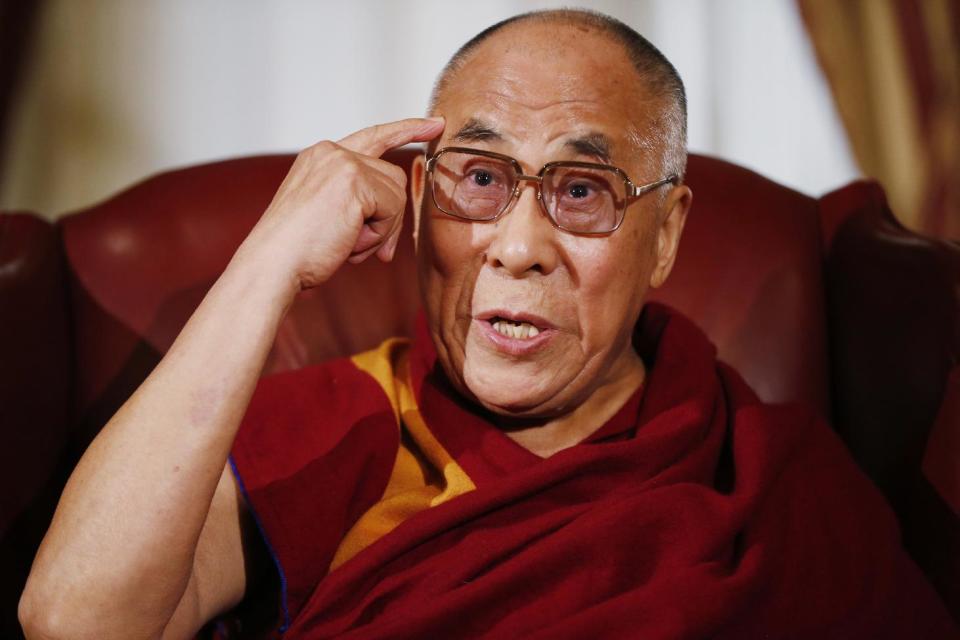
<point>117,90</point>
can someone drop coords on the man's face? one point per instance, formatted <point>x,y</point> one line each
<point>541,93</point>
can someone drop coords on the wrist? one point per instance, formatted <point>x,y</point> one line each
<point>258,273</point>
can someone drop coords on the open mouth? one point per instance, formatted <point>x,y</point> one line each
<point>516,329</point>
<point>515,333</point>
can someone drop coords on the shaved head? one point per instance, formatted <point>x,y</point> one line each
<point>571,88</point>
<point>659,81</point>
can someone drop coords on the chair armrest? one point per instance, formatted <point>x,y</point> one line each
<point>893,308</point>
<point>35,395</point>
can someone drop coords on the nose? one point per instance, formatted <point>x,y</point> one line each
<point>524,240</point>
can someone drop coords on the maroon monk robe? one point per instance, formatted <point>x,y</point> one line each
<point>696,512</point>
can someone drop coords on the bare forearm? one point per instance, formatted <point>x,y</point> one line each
<point>125,531</point>
<point>119,555</point>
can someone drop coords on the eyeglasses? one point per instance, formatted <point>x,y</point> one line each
<point>583,198</point>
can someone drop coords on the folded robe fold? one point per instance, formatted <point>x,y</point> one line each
<point>395,509</point>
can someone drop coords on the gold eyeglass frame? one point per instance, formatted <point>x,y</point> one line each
<point>633,192</point>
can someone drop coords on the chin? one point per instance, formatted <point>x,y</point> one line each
<point>507,390</point>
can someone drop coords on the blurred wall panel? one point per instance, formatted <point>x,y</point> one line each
<point>17,21</point>
<point>119,90</point>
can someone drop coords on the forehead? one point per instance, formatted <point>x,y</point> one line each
<point>539,83</point>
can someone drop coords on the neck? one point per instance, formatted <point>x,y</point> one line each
<point>547,438</point>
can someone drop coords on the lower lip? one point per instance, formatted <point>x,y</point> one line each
<point>514,346</point>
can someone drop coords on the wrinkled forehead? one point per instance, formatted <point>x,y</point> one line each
<point>536,89</point>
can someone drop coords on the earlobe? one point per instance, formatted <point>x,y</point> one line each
<point>671,226</point>
<point>418,174</point>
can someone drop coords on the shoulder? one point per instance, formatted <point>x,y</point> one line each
<point>335,393</point>
<point>296,417</point>
<point>314,451</point>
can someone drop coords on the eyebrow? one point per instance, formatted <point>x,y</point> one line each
<point>476,130</point>
<point>595,145</point>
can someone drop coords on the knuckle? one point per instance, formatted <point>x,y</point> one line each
<point>349,169</point>
<point>325,146</point>
<point>399,175</point>
<point>302,158</point>
<point>314,151</point>
<point>349,165</point>
<point>343,157</point>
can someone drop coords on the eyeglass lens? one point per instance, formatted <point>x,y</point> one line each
<point>579,199</point>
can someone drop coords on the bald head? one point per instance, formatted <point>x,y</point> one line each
<point>658,90</point>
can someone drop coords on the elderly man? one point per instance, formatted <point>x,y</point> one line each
<point>549,457</point>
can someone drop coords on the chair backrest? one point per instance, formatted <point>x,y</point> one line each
<point>749,272</point>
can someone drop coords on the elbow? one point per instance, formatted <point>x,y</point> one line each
<point>43,611</point>
<point>37,621</point>
<point>45,616</point>
<point>46,612</point>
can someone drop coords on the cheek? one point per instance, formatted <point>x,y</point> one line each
<point>449,262</point>
<point>611,284</point>
<point>451,244</point>
<point>447,254</point>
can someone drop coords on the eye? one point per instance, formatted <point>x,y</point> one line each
<point>482,175</point>
<point>581,190</point>
<point>481,178</point>
<point>578,191</point>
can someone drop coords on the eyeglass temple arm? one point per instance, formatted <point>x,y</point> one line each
<point>644,188</point>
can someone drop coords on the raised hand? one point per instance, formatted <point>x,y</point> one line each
<point>339,202</point>
<point>152,492</point>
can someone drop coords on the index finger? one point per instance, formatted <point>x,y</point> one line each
<point>376,140</point>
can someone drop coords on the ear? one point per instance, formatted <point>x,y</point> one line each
<point>418,179</point>
<point>673,216</point>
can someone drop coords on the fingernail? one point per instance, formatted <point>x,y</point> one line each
<point>436,119</point>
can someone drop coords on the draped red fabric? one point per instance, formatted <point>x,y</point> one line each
<point>696,512</point>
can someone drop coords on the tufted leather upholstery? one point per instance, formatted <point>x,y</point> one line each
<point>827,302</point>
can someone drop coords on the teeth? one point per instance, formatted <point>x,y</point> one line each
<point>520,330</point>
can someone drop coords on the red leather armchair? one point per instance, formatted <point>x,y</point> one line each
<point>828,302</point>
